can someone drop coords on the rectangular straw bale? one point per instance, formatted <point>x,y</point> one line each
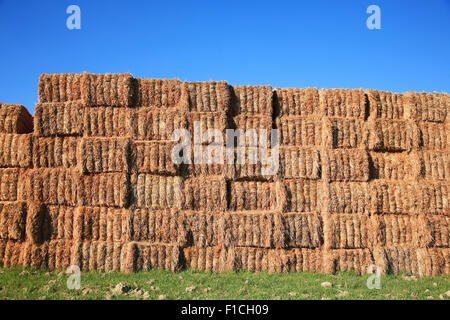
<point>100,224</point>
<point>258,122</point>
<point>433,136</point>
<point>432,197</point>
<point>399,260</point>
<point>299,131</point>
<point>253,195</point>
<point>302,230</point>
<point>159,93</point>
<point>55,152</point>
<point>434,165</point>
<point>34,255</point>
<point>107,122</point>
<point>151,124</point>
<point>143,256</point>
<point>37,227</point>
<point>215,259</point>
<point>348,197</point>
<point>345,165</point>
<point>154,157</point>
<point>252,229</point>
<point>58,119</point>
<point>10,253</point>
<point>99,155</point>
<point>59,254</point>
<point>8,184</point>
<point>297,162</point>
<point>212,161</point>
<point>113,90</point>
<point>205,193</point>
<point>392,135</point>
<point>202,228</point>
<point>157,192</point>
<point>432,107</point>
<point>255,163</point>
<point>200,122</point>
<point>208,96</point>
<point>16,150</point>
<point>345,103</point>
<point>386,105</point>
<point>439,226</point>
<point>50,186</point>
<point>303,195</point>
<point>394,166</point>
<point>59,87</point>
<point>433,262</point>
<point>12,220</point>
<point>345,133</point>
<point>15,118</point>
<point>358,260</point>
<point>91,255</point>
<point>157,226</point>
<point>252,99</point>
<point>393,197</point>
<point>297,102</point>
<point>347,231</point>
<point>104,190</point>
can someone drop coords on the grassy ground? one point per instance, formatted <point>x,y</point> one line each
<point>19,283</point>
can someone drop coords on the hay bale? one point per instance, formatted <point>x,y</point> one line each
<point>50,223</point>
<point>297,102</point>
<point>433,262</point>
<point>394,166</point>
<point>55,152</point>
<point>205,193</point>
<point>253,164</point>
<point>392,135</point>
<point>345,165</point>
<point>59,87</point>
<point>252,99</point>
<point>113,90</point>
<point>347,231</point>
<point>50,186</point>
<point>157,192</point>
<point>345,103</point>
<point>100,155</point>
<point>434,165</point>
<point>432,197</point>
<point>299,131</point>
<point>107,122</point>
<point>100,224</point>
<point>10,253</point>
<point>104,190</point>
<point>433,136</point>
<point>210,96</point>
<point>397,260</point>
<point>16,150</point>
<point>202,229</point>
<point>386,105</point>
<point>357,260</point>
<point>159,93</point>
<point>12,221</point>
<point>348,197</point>
<point>393,197</point>
<point>154,157</point>
<point>302,195</point>
<point>431,107</point>
<point>8,184</point>
<point>58,119</point>
<point>15,118</point>
<point>151,124</point>
<point>439,227</point>
<point>157,226</point>
<point>253,195</point>
<point>144,256</point>
<point>302,230</point>
<point>344,133</point>
<point>298,162</point>
<point>254,122</point>
<point>200,122</point>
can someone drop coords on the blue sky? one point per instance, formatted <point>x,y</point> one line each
<point>323,44</point>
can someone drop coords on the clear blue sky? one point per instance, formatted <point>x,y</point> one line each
<point>323,44</point>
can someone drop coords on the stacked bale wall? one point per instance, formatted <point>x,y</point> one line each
<point>361,178</point>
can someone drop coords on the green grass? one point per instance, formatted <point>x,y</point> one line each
<point>27,283</point>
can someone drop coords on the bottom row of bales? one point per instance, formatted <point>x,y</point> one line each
<point>137,256</point>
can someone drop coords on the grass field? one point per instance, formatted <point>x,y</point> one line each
<point>20,283</point>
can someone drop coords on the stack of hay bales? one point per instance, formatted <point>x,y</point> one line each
<point>15,157</point>
<point>361,178</point>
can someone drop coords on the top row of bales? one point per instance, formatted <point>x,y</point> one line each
<point>122,90</point>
